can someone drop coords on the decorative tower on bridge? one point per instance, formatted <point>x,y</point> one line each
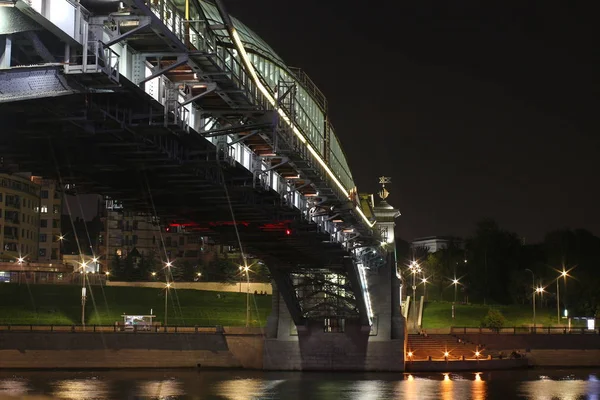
<point>385,283</point>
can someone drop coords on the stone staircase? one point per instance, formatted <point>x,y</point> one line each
<point>435,346</point>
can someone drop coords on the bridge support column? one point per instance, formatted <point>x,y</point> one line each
<point>351,347</point>
<point>273,318</point>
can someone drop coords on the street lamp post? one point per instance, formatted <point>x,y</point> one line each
<point>246,269</point>
<point>564,275</point>
<point>533,286</point>
<point>455,282</point>
<point>241,268</point>
<point>557,303</point>
<point>424,280</point>
<point>83,293</point>
<point>167,287</point>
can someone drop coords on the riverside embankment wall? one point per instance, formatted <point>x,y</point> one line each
<point>236,348</point>
<point>548,350</point>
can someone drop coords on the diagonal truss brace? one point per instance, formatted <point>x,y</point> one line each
<point>144,22</point>
<point>180,61</point>
<point>286,289</point>
<point>210,87</point>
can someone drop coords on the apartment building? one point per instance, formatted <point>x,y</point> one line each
<point>50,219</point>
<point>126,231</point>
<point>19,217</point>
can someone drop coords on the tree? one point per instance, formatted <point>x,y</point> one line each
<point>492,254</point>
<point>493,320</point>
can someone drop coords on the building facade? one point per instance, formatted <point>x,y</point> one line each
<point>128,233</point>
<point>436,243</point>
<point>51,198</point>
<point>19,217</point>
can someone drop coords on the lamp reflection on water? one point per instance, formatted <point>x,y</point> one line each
<point>478,388</point>
<point>81,389</point>
<point>447,388</point>
<point>160,389</point>
<point>368,390</point>
<point>14,387</point>
<point>564,389</point>
<point>241,389</point>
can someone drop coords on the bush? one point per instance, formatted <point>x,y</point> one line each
<point>493,320</point>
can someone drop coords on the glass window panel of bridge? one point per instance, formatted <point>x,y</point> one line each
<point>338,162</point>
<point>308,121</point>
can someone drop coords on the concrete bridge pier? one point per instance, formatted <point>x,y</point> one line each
<point>355,347</point>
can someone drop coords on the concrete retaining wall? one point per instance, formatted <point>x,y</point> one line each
<point>564,358</point>
<point>211,286</point>
<point>546,350</point>
<point>129,350</point>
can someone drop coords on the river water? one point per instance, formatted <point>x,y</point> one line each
<point>536,384</point>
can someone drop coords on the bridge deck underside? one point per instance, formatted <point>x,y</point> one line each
<point>157,169</point>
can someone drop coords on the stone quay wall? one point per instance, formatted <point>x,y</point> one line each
<point>235,348</point>
<point>544,350</point>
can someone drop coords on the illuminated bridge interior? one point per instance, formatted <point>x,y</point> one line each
<point>177,109</point>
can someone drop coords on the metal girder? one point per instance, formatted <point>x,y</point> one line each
<point>39,46</point>
<point>353,276</point>
<point>144,22</point>
<point>210,87</point>
<point>286,289</point>
<point>324,293</point>
<point>241,139</point>
<point>180,61</point>
<point>234,129</point>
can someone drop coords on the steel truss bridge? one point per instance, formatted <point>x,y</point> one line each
<point>173,106</point>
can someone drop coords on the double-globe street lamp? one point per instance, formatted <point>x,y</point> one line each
<point>563,274</point>
<point>415,269</point>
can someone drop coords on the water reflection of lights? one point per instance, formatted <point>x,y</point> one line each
<point>160,389</point>
<point>478,389</point>
<point>245,389</point>
<point>13,387</point>
<point>369,390</point>
<point>565,389</point>
<point>81,389</point>
<point>415,388</point>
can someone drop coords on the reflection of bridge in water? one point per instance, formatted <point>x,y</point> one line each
<point>174,107</point>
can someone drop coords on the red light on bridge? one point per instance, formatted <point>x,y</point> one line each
<point>288,232</point>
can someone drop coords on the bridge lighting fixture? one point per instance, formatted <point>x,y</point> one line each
<point>242,51</point>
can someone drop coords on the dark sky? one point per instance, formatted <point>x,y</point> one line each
<point>474,111</point>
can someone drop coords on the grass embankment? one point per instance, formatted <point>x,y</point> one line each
<point>439,315</point>
<point>61,304</point>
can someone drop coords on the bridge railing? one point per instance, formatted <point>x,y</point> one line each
<point>515,330</point>
<point>226,59</point>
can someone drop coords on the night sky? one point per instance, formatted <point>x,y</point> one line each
<point>474,111</point>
